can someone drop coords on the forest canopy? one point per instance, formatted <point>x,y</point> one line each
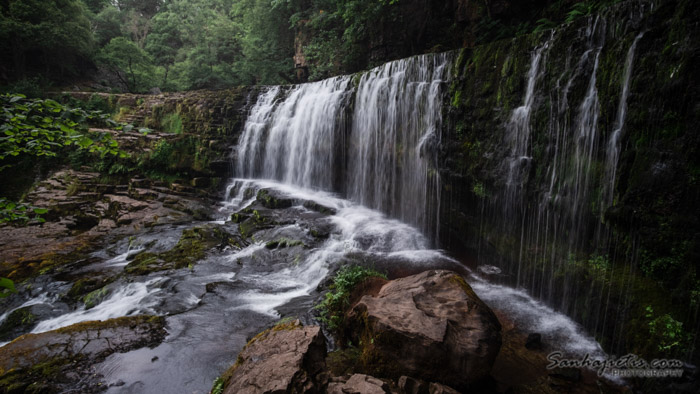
<point>173,45</point>
<point>168,44</point>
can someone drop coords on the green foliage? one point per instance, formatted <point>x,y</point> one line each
<point>342,30</point>
<point>31,87</point>
<point>579,10</point>
<point>7,286</point>
<point>172,123</point>
<point>34,127</point>
<point>332,307</point>
<point>19,213</point>
<point>544,24</point>
<point>218,386</point>
<point>667,331</point>
<point>161,155</point>
<point>108,25</point>
<point>131,65</point>
<point>48,36</point>
<point>599,263</point>
<point>479,190</point>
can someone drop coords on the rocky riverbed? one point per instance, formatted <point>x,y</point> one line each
<point>216,274</point>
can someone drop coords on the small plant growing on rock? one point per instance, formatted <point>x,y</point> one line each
<point>337,299</point>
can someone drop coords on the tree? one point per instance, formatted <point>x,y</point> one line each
<point>164,41</point>
<point>129,63</point>
<point>107,25</point>
<point>97,5</point>
<point>48,36</point>
<point>267,42</point>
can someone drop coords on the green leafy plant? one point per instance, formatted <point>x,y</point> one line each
<point>35,127</point>
<point>218,387</point>
<point>7,287</point>
<point>544,24</point>
<point>579,10</point>
<point>332,307</point>
<point>666,330</point>
<point>19,213</point>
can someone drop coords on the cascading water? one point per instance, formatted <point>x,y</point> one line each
<point>544,225</point>
<point>374,143</point>
<point>518,131</point>
<point>613,148</point>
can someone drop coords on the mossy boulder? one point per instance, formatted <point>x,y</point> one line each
<point>273,200</point>
<point>60,360</point>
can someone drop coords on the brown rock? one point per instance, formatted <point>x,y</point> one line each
<point>359,384</point>
<point>437,388</point>
<point>431,326</point>
<point>286,358</point>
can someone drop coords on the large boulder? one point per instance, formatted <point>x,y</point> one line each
<point>62,360</point>
<point>431,326</point>
<point>284,359</point>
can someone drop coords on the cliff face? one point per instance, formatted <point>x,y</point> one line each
<point>569,160</point>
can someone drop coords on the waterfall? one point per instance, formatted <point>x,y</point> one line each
<point>613,149</point>
<point>546,230</point>
<point>370,137</point>
<point>518,130</point>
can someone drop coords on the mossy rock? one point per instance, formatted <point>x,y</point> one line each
<point>271,200</point>
<point>61,360</point>
<point>192,247</point>
<point>18,321</point>
<point>283,243</point>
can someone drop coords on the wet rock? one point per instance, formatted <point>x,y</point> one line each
<point>314,206</point>
<point>61,360</point>
<point>17,322</point>
<point>192,247</point>
<point>273,200</point>
<point>410,385</point>
<point>437,388</point>
<point>534,341</point>
<point>286,358</point>
<point>431,326</point>
<point>359,384</point>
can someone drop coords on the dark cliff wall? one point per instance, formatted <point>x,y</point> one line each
<point>620,256</point>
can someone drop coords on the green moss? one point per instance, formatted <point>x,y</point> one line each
<point>268,201</point>
<point>283,243</point>
<point>95,297</point>
<point>21,318</point>
<point>192,247</point>
<point>172,123</point>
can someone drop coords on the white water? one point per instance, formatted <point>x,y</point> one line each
<point>613,151</point>
<point>518,128</point>
<point>374,143</point>
<point>127,300</point>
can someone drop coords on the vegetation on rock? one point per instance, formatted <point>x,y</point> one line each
<point>336,301</point>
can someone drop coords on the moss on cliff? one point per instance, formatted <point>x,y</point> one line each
<point>647,234</point>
